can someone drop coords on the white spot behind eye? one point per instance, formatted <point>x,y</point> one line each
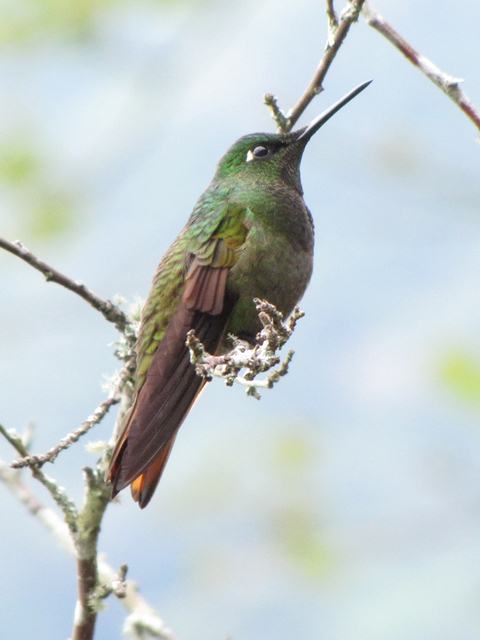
<point>250,156</point>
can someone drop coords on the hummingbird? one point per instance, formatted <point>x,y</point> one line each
<point>250,235</point>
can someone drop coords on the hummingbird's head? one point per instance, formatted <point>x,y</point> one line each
<point>260,157</point>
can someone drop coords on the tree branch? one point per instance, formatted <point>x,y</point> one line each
<point>97,497</point>
<point>84,525</point>
<point>142,620</point>
<point>448,84</point>
<point>337,32</point>
<point>109,310</point>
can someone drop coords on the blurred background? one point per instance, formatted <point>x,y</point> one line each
<point>345,505</point>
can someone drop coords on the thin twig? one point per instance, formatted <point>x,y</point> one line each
<point>332,17</point>
<point>109,310</point>
<point>61,498</point>
<point>38,460</point>
<point>277,114</point>
<point>336,36</point>
<point>447,83</point>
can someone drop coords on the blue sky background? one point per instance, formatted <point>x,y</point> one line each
<point>346,504</point>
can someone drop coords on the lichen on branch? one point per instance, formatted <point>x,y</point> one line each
<point>244,362</point>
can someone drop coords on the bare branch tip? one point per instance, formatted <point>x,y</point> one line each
<point>450,85</point>
<point>277,114</point>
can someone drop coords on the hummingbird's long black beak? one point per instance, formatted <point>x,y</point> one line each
<point>319,121</point>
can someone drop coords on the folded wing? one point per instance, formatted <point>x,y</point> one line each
<point>169,385</point>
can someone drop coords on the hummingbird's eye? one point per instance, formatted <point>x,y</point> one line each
<point>258,152</point>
